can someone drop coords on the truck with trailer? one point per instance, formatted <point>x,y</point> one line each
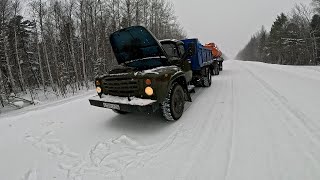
<point>152,75</point>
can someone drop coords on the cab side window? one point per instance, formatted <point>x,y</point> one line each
<point>171,50</point>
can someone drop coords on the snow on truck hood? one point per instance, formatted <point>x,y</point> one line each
<point>157,71</point>
<point>135,43</point>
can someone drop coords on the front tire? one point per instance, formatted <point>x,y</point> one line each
<point>173,106</point>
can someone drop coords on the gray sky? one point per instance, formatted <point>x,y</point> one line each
<point>229,23</point>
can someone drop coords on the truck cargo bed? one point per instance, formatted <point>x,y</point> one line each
<point>202,56</point>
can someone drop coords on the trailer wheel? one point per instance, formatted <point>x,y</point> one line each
<point>119,112</point>
<point>173,106</point>
<point>213,71</point>
<point>217,69</point>
<point>207,80</point>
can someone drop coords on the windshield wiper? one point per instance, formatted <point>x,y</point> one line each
<point>147,58</point>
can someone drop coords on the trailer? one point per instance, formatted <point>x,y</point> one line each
<point>203,57</point>
<point>217,54</point>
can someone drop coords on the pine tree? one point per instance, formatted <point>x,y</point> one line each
<point>276,40</point>
<point>293,45</point>
<point>262,50</point>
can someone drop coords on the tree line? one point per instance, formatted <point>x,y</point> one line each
<point>63,45</point>
<point>294,39</point>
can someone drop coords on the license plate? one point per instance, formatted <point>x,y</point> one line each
<point>111,106</point>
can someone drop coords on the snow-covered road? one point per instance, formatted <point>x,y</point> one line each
<point>257,121</point>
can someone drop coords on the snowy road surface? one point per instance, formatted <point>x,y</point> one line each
<point>257,121</point>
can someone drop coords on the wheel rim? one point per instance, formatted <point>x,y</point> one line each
<point>178,102</point>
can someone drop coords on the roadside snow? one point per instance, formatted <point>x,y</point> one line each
<point>19,104</point>
<point>310,72</point>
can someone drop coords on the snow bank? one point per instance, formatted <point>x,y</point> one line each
<point>18,104</point>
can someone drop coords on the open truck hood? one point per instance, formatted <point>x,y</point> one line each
<point>135,43</point>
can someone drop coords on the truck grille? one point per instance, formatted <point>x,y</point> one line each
<point>123,87</point>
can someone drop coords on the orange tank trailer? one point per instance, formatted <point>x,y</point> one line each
<point>215,50</point>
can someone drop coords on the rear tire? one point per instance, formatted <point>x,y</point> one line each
<point>207,80</point>
<point>173,106</point>
<point>213,71</point>
<point>119,112</point>
<point>217,69</point>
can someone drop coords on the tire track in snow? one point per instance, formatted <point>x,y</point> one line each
<point>202,132</point>
<point>112,163</point>
<point>110,158</point>
<point>304,123</point>
<point>307,122</point>
<point>199,139</point>
<point>53,146</point>
<point>231,149</point>
<point>31,174</point>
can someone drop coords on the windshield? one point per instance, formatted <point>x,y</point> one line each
<point>147,63</point>
<point>134,43</point>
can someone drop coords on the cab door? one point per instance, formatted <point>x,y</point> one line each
<point>176,55</point>
<point>185,62</point>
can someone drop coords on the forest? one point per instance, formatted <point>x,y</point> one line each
<point>294,38</point>
<point>59,47</point>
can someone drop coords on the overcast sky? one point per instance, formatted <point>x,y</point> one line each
<point>229,23</point>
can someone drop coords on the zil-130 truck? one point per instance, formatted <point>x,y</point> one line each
<point>153,75</point>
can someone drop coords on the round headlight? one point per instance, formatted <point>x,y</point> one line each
<point>149,91</point>
<point>99,90</point>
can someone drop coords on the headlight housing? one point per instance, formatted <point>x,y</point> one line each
<point>98,83</point>
<point>148,82</point>
<point>149,91</point>
<point>99,90</point>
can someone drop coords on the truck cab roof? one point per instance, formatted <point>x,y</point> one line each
<point>164,41</point>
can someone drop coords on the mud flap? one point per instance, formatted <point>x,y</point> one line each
<point>188,96</point>
<point>187,93</point>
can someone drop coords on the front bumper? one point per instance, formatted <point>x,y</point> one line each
<point>124,104</point>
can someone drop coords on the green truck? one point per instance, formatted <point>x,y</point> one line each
<point>153,75</point>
